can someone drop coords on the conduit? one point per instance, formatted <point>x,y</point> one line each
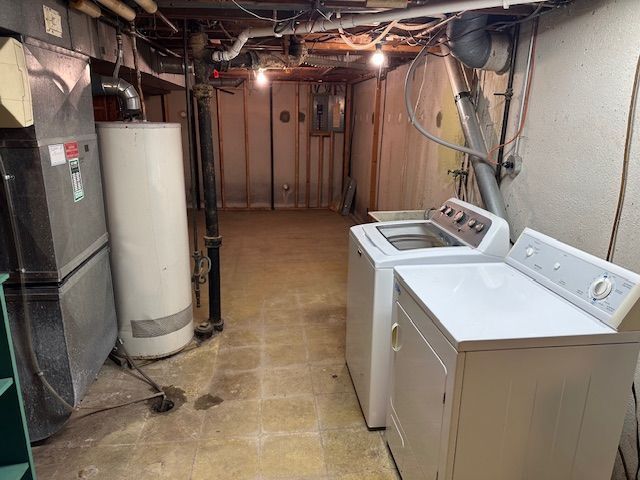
<point>433,9</point>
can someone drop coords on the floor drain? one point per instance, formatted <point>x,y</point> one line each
<point>162,405</point>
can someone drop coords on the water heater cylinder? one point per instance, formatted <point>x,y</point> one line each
<point>143,179</point>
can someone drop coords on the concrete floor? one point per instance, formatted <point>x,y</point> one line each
<point>269,398</point>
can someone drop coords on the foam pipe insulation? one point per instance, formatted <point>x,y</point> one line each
<point>86,7</point>
<point>148,6</point>
<point>474,46</point>
<point>433,9</point>
<point>119,8</point>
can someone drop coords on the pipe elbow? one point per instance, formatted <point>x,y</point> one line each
<point>120,88</point>
<point>477,48</point>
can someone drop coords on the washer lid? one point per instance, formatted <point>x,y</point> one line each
<point>493,305</point>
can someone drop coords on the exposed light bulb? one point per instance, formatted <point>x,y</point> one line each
<point>378,58</point>
<point>261,78</point>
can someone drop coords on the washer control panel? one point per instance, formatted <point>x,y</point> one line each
<point>590,283</point>
<point>463,222</point>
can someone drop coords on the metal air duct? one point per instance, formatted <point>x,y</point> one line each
<point>474,46</point>
<point>122,89</point>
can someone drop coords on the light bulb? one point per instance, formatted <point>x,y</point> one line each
<point>378,58</point>
<point>261,78</point>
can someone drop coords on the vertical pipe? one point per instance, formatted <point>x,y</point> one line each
<point>307,193</point>
<point>273,193</point>
<point>296,119</point>
<point>507,103</point>
<point>373,181</point>
<point>136,65</point>
<point>484,172</point>
<point>320,169</point>
<point>220,148</point>
<point>247,168</point>
<point>346,141</point>
<point>190,142</point>
<point>331,160</point>
<point>212,239</point>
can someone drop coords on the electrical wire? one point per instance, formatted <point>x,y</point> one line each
<point>527,93</point>
<point>412,114</point>
<point>273,20</point>
<point>625,163</point>
<point>366,46</point>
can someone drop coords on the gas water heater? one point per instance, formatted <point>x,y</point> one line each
<point>147,220</point>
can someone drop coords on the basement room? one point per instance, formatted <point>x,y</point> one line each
<point>319,239</point>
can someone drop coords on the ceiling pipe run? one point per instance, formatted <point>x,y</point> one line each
<point>119,8</point>
<point>433,9</point>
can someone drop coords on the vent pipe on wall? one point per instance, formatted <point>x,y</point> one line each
<point>484,172</point>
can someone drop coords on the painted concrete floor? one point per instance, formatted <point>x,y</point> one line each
<point>269,398</point>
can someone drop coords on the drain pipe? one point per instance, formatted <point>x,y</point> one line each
<point>122,89</point>
<point>484,172</point>
<point>434,9</point>
<point>203,91</point>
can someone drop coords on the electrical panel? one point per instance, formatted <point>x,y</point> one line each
<point>328,113</point>
<point>16,108</point>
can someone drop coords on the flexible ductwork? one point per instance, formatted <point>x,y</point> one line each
<point>433,9</point>
<point>474,46</point>
<point>132,107</point>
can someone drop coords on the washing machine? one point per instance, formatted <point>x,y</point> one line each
<point>512,369</point>
<point>458,232</point>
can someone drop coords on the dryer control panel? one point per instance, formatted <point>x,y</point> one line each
<point>605,290</point>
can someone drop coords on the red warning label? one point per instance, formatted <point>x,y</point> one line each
<point>71,150</point>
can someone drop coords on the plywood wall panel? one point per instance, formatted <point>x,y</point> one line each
<point>284,129</point>
<point>259,146</point>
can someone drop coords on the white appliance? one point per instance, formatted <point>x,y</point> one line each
<point>146,208</point>
<point>458,232</point>
<point>514,369</point>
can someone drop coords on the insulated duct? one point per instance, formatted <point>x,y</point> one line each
<point>484,172</point>
<point>132,107</point>
<point>474,46</point>
<point>433,9</point>
<point>119,8</point>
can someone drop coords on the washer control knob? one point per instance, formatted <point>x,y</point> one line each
<point>529,251</point>
<point>601,288</point>
<point>459,217</point>
<point>471,222</point>
<point>449,211</point>
<point>443,208</point>
<point>479,227</point>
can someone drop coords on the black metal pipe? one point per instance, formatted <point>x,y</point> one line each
<point>189,108</point>
<point>212,239</point>
<point>508,95</point>
<point>273,186</point>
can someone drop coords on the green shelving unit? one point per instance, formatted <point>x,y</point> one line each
<point>16,461</point>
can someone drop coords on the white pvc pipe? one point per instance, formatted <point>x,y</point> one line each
<point>434,9</point>
<point>120,9</point>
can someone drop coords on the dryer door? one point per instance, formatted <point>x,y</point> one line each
<point>417,402</point>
